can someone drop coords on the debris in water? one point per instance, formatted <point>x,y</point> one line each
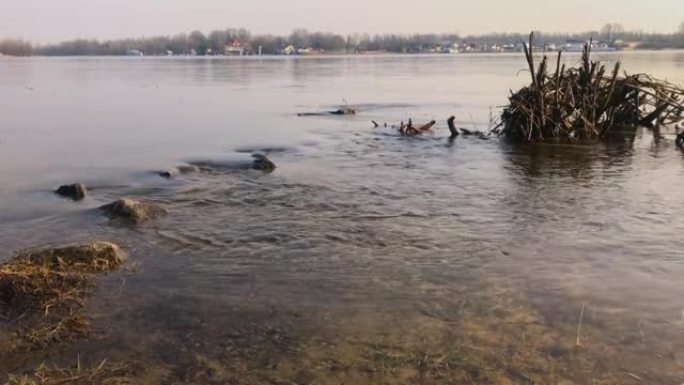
<point>587,103</point>
<point>410,130</point>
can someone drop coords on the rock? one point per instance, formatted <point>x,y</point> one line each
<point>261,162</point>
<point>132,210</point>
<point>179,170</point>
<point>72,191</point>
<point>344,111</point>
<point>341,111</point>
<point>97,255</point>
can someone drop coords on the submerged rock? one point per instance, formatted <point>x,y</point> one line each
<point>261,162</point>
<point>75,191</point>
<point>98,256</point>
<point>179,170</point>
<point>340,111</point>
<point>344,111</point>
<point>132,210</point>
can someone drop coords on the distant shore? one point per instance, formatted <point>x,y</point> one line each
<point>241,42</point>
<point>342,53</point>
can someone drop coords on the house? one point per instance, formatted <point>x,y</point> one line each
<point>289,50</point>
<point>234,49</point>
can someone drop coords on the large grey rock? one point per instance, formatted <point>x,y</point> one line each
<point>75,191</point>
<point>132,210</point>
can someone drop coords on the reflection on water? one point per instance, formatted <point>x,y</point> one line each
<point>365,257</point>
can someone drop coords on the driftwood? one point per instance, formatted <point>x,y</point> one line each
<point>452,128</point>
<point>463,131</point>
<point>587,103</point>
<point>410,130</point>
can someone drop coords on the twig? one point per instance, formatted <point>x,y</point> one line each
<point>579,326</point>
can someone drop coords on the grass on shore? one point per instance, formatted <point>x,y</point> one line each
<point>42,292</point>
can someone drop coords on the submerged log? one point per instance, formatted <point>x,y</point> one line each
<point>427,126</point>
<point>452,128</point>
<point>410,130</point>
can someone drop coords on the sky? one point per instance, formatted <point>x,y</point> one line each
<point>47,21</point>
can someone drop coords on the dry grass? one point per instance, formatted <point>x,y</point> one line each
<point>42,291</point>
<point>100,374</point>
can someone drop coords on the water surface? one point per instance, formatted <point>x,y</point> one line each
<point>365,257</point>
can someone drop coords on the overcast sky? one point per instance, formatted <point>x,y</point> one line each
<point>54,20</point>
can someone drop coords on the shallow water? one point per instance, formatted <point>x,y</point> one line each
<point>365,256</point>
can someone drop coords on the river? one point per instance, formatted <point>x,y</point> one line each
<point>366,257</point>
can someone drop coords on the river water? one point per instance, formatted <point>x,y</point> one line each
<point>365,257</point>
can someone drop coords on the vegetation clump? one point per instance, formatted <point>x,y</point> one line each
<point>45,289</point>
<point>587,102</point>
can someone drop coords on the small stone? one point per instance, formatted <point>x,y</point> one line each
<point>75,191</point>
<point>261,162</point>
<point>180,170</point>
<point>344,111</point>
<point>132,210</point>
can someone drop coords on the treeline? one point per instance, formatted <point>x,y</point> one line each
<point>216,43</point>
<point>644,40</point>
<point>16,47</point>
<point>241,40</point>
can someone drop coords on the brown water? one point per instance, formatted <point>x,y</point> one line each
<point>365,257</point>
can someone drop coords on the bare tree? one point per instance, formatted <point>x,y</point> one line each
<point>612,31</point>
<point>15,48</point>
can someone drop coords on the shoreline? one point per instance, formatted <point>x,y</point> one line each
<point>344,54</point>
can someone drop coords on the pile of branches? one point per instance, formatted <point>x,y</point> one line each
<point>588,102</point>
